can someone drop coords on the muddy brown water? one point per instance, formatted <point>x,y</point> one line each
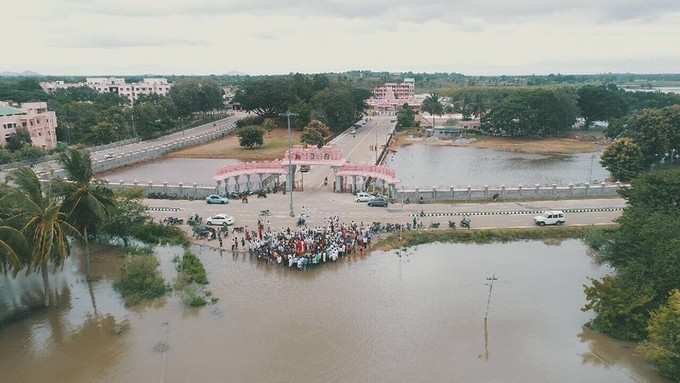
<point>400,316</point>
<point>461,166</point>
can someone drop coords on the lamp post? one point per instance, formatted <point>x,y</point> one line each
<point>289,183</point>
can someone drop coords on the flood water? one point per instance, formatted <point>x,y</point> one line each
<point>172,171</point>
<point>387,317</point>
<point>422,165</point>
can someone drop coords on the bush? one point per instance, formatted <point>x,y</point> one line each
<point>140,280</point>
<point>154,233</point>
<point>663,345</point>
<point>191,269</point>
<point>250,136</point>
<point>193,296</point>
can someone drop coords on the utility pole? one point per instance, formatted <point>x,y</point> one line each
<point>291,175</point>
<point>486,316</point>
<point>134,132</point>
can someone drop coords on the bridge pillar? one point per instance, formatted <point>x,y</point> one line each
<point>261,184</point>
<point>217,186</point>
<point>338,184</point>
<point>354,184</point>
<point>237,186</point>
<point>247,182</point>
<point>226,185</point>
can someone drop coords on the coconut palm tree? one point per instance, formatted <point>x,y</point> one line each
<point>12,249</point>
<point>433,105</point>
<point>43,223</point>
<point>86,201</point>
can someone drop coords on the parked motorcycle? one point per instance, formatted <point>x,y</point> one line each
<point>465,223</point>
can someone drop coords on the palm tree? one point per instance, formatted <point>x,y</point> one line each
<point>12,249</point>
<point>43,224</point>
<point>86,201</point>
<point>433,105</point>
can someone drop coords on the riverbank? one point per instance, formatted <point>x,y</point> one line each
<point>541,146</point>
<point>275,146</point>
<point>414,238</point>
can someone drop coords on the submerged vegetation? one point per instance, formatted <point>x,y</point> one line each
<point>413,238</point>
<point>191,280</point>
<point>140,280</point>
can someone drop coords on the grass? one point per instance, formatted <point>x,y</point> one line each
<point>191,269</point>
<point>275,146</point>
<point>413,238</point>
<point>191,281</point>
<point>140,280</point>
<point>554,146</point>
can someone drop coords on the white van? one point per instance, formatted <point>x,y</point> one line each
<point>551,217</point>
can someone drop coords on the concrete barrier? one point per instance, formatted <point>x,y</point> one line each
<point>504,193</point>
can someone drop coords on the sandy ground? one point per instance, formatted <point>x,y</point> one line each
<point>275,145</point>
<point>547,146</point>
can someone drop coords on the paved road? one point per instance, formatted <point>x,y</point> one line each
<point>134,147</point>
<point>321,205</point>
<point>357,149</point>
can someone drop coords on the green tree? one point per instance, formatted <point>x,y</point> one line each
<point>12,249</point>
<point>269,124</point>
<point>18,140</point>
<point>663,345</point>
<point>127,216</point>
<point>250,136</point>
<point>601,103</point>
<point>433,105</point>
<point>656,132</point>
<point>266,96</point>
<point>336,106</point>
<point>315,133</point>
<point>86,200</point>
<point>405,117</point>
<point>43,223</point>
<point>623,159</point>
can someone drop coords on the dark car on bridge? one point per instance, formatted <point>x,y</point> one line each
<point>378,202</point>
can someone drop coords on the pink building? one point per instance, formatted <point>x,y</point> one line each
<point>131,91</point>
<point>392,96</point>
<point>34,117</point>
<point>405,89</point>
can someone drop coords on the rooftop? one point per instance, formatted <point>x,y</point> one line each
<point>9,111</point>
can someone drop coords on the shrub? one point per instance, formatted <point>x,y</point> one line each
<point>250,136</point>
<point>193,296</point>
<point>191,269</point>
<point>663,345</point>
<point>140,280</point>
<point>154,233</point>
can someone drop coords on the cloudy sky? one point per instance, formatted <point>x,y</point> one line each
<point>281,36</point>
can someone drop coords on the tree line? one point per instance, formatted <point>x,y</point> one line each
<point>641,301</point>
<point>337,104</point>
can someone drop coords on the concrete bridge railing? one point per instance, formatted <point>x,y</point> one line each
<point>503,193</point>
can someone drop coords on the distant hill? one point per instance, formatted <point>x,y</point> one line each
<point>26,73</point>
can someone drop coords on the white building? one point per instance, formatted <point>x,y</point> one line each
<point>131,91</point>
<point>34,117</point>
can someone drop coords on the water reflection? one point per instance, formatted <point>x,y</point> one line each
<point>422,165</point>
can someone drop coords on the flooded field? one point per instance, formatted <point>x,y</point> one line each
<point>388,317</point>
<point>422,165</point>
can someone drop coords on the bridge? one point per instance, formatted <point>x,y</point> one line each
<point>348,177</point>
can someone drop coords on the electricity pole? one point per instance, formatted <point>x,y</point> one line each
<point>291,175</point>
<point>486,316</point>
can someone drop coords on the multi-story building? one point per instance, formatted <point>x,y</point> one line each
<point>391,96</point>
<point>405,89</point>
<point>131,91</point>
<point>40,123</point>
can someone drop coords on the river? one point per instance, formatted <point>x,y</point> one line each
<point>399,316</point>
<point>422,165</point>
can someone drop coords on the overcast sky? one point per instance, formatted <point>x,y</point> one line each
<point>281,36</point>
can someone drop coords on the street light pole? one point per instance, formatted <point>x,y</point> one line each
<point>289,183</point>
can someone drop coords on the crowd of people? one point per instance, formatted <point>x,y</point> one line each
<point>307,246</point>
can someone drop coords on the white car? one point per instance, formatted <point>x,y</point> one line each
<point>214,198</point>
<point>551,217</point>
<point>363,197</point>
<point>220,219</point>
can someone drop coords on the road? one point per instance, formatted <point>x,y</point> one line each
<point>357,149</point>
<point>321,205</point>
<point>137,146</point>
